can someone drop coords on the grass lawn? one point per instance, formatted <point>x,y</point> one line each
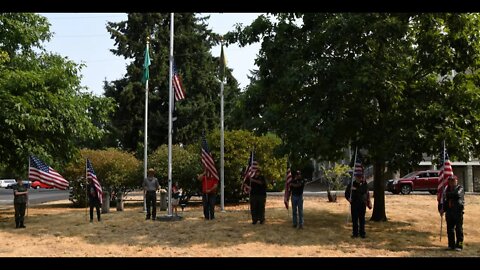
<point>57,230</point>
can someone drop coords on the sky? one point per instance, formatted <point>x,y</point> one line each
<point>83,38</point>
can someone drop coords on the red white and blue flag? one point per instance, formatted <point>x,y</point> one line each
<point>177,85</point>
<point>207,160</point>
<point>445,172</point>
<point>288,180</point>
<point>250,171</point>
<point>91,175</point>
<point>39,171</point>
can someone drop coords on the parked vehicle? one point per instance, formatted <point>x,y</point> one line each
<point>38,184</point>
<point>415,181</point>
<point>26,183</point>
<point>4,183</point>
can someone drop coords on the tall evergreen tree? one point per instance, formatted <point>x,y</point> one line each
<point>197,67</point>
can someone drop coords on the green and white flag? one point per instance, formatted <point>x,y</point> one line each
<point>146,65</point>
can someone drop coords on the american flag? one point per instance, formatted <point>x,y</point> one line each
<point>207,159</point>
<point>288,180</point>
<point>249,171</point>
<point>177,85</point>
<point>445,172</point>
<point>358,169</point>
<point>91,175</point>
<point>39,171</point>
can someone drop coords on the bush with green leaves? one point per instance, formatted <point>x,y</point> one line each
<point>117,171</point>
<point>238,144</point>
<point>185,167</point>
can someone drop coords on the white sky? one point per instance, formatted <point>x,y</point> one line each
<point>83,38</point>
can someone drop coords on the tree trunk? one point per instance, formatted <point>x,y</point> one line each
<point>379,192</point>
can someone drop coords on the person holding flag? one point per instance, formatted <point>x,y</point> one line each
<point>296,187</point>
<point>94,190</point>
<point>258,193</point>
<point>453,206</point>
<point>357,195</point>
<point>209,179</point>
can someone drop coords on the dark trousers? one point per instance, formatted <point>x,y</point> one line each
<point>19,213</point>
<point>257,207</point>
<point>94,203</point>
<point>358,216</point>
<point>209,205</point>
<point>151,198</point>
<point>455,223</point>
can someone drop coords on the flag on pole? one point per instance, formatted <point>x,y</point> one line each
<point>177,85</point>
<point>91,175</point>
<point>223,64</point>
<point>207,160</point>
<point>288,180</point>
<point>358,169</point>
<point>252,167</point>
<point>146,65</point>
<point>445,172</point>
<point>39,171</point>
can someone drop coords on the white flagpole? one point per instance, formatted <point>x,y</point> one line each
<point>222,154</point>
<point>170,108</point>
<point>351,184</point>
<point>86,190</point>
<point>145,143</point>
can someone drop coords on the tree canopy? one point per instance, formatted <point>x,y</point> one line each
<point>43,110</point>
<point>395,85</point>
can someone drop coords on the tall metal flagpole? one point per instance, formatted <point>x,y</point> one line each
<point>86,190</point>
<point>441,196</point>
<point>351,184</point>
<point>145,142</point>
<point>170,108</point>
<point>222,154</point>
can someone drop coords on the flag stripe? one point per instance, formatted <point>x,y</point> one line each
<point>39,171</point>
<point>207,160</point>
<point>177,85</point>
<point>91,175</point>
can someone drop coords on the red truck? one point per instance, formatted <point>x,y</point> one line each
<point>415,181</point>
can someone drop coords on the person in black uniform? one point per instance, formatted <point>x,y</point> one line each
<point>357,195</point>
<point>20,199</point>
<point>258,196</point>
<point>297,186</point>
<point>93,200</point>
<point>453,205</point>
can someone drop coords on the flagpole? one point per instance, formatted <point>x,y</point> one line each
<point>170,107</point>
<point>222,130</point>
<point>86,191</point>
<point>28,198</point>
<point>351,184</point>
<point>145,143</point>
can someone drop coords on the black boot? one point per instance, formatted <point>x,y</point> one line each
<point>17,224</point>
<point>21,225</point>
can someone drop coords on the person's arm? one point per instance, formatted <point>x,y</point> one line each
<point>213,188</point>
<point>347,192</point>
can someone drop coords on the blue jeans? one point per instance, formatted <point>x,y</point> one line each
<point>297,205</point>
